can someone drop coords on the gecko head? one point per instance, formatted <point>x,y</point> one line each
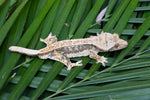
<point>119,43</point>
<point>110,42</point>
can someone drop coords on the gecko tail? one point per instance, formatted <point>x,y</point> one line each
<point>22,50</point>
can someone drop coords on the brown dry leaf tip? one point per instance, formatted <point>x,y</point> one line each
<point>12,76</point>
<point>101,15</point>
<point>136,56</point>
<point>67,24</point>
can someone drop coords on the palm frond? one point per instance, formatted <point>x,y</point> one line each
<point>24,22</point>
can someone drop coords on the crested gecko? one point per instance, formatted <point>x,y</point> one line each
<point>63,50</point>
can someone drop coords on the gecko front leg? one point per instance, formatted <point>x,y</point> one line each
<point>49,40</point>
<point>61,58</point>
<point>100,59</point>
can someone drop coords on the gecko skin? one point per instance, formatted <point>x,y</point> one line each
<point>62,51</point>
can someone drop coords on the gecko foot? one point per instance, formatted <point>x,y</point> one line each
<point>102,60</point>
<point>42,40</point>
<point>79,63</point>
<point>49,40</point>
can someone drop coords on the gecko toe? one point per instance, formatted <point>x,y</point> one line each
<point>102,60</point>
<point>79,63</point>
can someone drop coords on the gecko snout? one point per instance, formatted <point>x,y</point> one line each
<point>121,44</point>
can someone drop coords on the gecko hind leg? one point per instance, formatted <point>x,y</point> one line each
<point>65,60</point>
<point>99,59</point>
<point>78,63</point>
<point>61,58</point>
<point>49,40</point>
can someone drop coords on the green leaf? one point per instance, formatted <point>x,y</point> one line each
<point>123,20</point>
<point>145,44</point>
<point>3,12</point>
<point>116,15</point>
<point>125,31</point>
<point>62,18</point>
<point>106,90</point>
<point>4,73</point>
<point>125,17</point>
<point>77,16</point>
<point>133,41</point>
<point>15,32</point>
<point>88,20</point>
<point>83,28</point>
<point>118,76</point>
<point>5,28</point>
<point>2,1</point>
<point>27,78</point>
<point>57,66</point>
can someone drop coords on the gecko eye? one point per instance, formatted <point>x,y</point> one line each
<point>116,45</point>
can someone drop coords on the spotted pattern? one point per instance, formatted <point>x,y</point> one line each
<point>77,48</point>
<point>63,50</point>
